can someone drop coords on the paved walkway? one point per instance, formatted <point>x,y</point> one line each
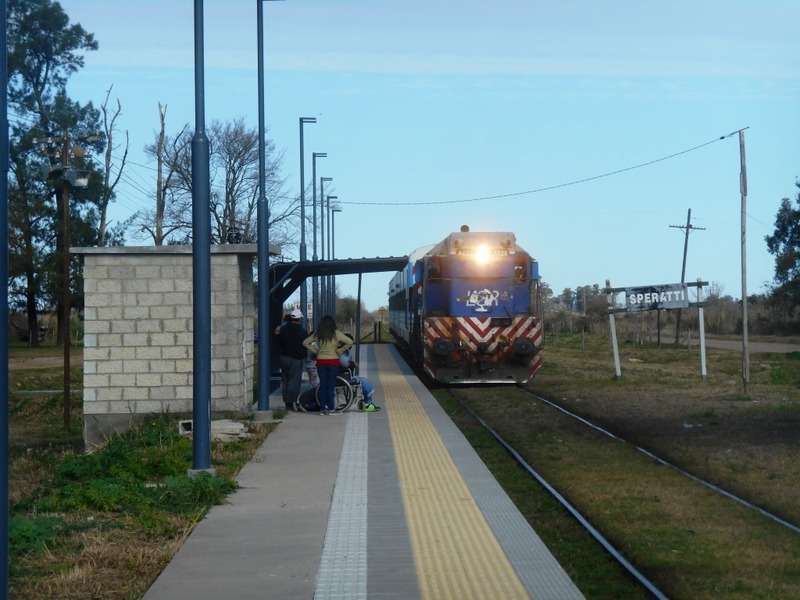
<point>267,541</point>
<point>391,504</point>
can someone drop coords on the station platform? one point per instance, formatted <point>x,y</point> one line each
<point>383,505</point>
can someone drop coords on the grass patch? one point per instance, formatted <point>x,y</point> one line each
<point>104,525</point>
<point>692,542</point>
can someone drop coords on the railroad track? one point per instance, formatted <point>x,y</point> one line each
<point>666,463</point>
<point>613,551</point>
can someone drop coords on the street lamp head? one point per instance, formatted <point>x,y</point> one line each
<point>319,154</point>
<point>308,119</point>
<point>326,178</point>
<point>77,178</point>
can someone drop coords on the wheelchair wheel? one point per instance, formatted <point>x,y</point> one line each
<point>343,395</point>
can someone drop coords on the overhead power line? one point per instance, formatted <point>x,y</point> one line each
<point>550,187</point>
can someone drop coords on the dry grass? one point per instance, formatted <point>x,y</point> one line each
<point>115,563</point>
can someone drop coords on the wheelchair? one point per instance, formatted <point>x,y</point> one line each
<point>346,391</point>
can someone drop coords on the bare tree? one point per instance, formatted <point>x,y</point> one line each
<point>109,181</point>
<point>234,185</point>
<point>233,163</point>
<point>173,186</point>
<point>234,159</point>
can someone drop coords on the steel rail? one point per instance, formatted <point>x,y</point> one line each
<point>616,554</point>
<point>666,463</point>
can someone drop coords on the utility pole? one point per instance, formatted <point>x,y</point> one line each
<point>743,191</point>
<point>687,229</point>
<point>65,178</point>
<point>65,189</point>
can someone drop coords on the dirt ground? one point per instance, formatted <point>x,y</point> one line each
<point>758,347</point>
<point>45,362</point>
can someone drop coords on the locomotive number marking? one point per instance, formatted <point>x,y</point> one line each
<point>469,252</point>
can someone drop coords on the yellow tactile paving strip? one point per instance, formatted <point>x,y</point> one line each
<point>455,552</point>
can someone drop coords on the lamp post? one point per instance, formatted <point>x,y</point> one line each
<point>303,288</point>
<point>70,180</point>
<point>201,260</point>
<point>329,282</point>
<point>262,215</point>
<point>334,210</point>
<point>322,181</point>
<point>66,178</point>
<point>314,282</point>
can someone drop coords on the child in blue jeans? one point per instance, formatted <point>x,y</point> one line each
<point>369,390</point>
<point>366,387</point>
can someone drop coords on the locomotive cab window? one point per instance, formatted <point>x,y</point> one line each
<point>521,270</point>
<point>435,267</point>
<point>436,298</point>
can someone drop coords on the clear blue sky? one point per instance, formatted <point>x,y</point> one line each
<point>442,101</point>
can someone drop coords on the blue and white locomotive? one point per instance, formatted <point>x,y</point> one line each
<point>469,309</point>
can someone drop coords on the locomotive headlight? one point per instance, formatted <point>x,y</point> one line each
<point>482,254</point>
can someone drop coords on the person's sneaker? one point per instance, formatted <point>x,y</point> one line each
<point>371,408</point>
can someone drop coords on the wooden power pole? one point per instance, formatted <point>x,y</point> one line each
<point>743,191</point>
<point>687,230</point>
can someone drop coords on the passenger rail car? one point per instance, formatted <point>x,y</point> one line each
<point>469,309</point>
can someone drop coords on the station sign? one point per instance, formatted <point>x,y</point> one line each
<point>656,297</point>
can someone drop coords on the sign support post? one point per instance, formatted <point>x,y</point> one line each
<point>613,326</point>
<point>701,324</point>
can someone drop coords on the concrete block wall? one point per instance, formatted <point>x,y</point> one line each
<point>138,344</point>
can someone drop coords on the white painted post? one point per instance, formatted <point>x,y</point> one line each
<point>703,372</point>
<point>613,326</point>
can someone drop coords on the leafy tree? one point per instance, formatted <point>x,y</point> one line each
<point>784,244</point>
<point>590,299</point>
<point>43,52</point>
<point>567,299</point>
<point>30,216</point>
<point>44,49</point>
<point>346,312</point>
